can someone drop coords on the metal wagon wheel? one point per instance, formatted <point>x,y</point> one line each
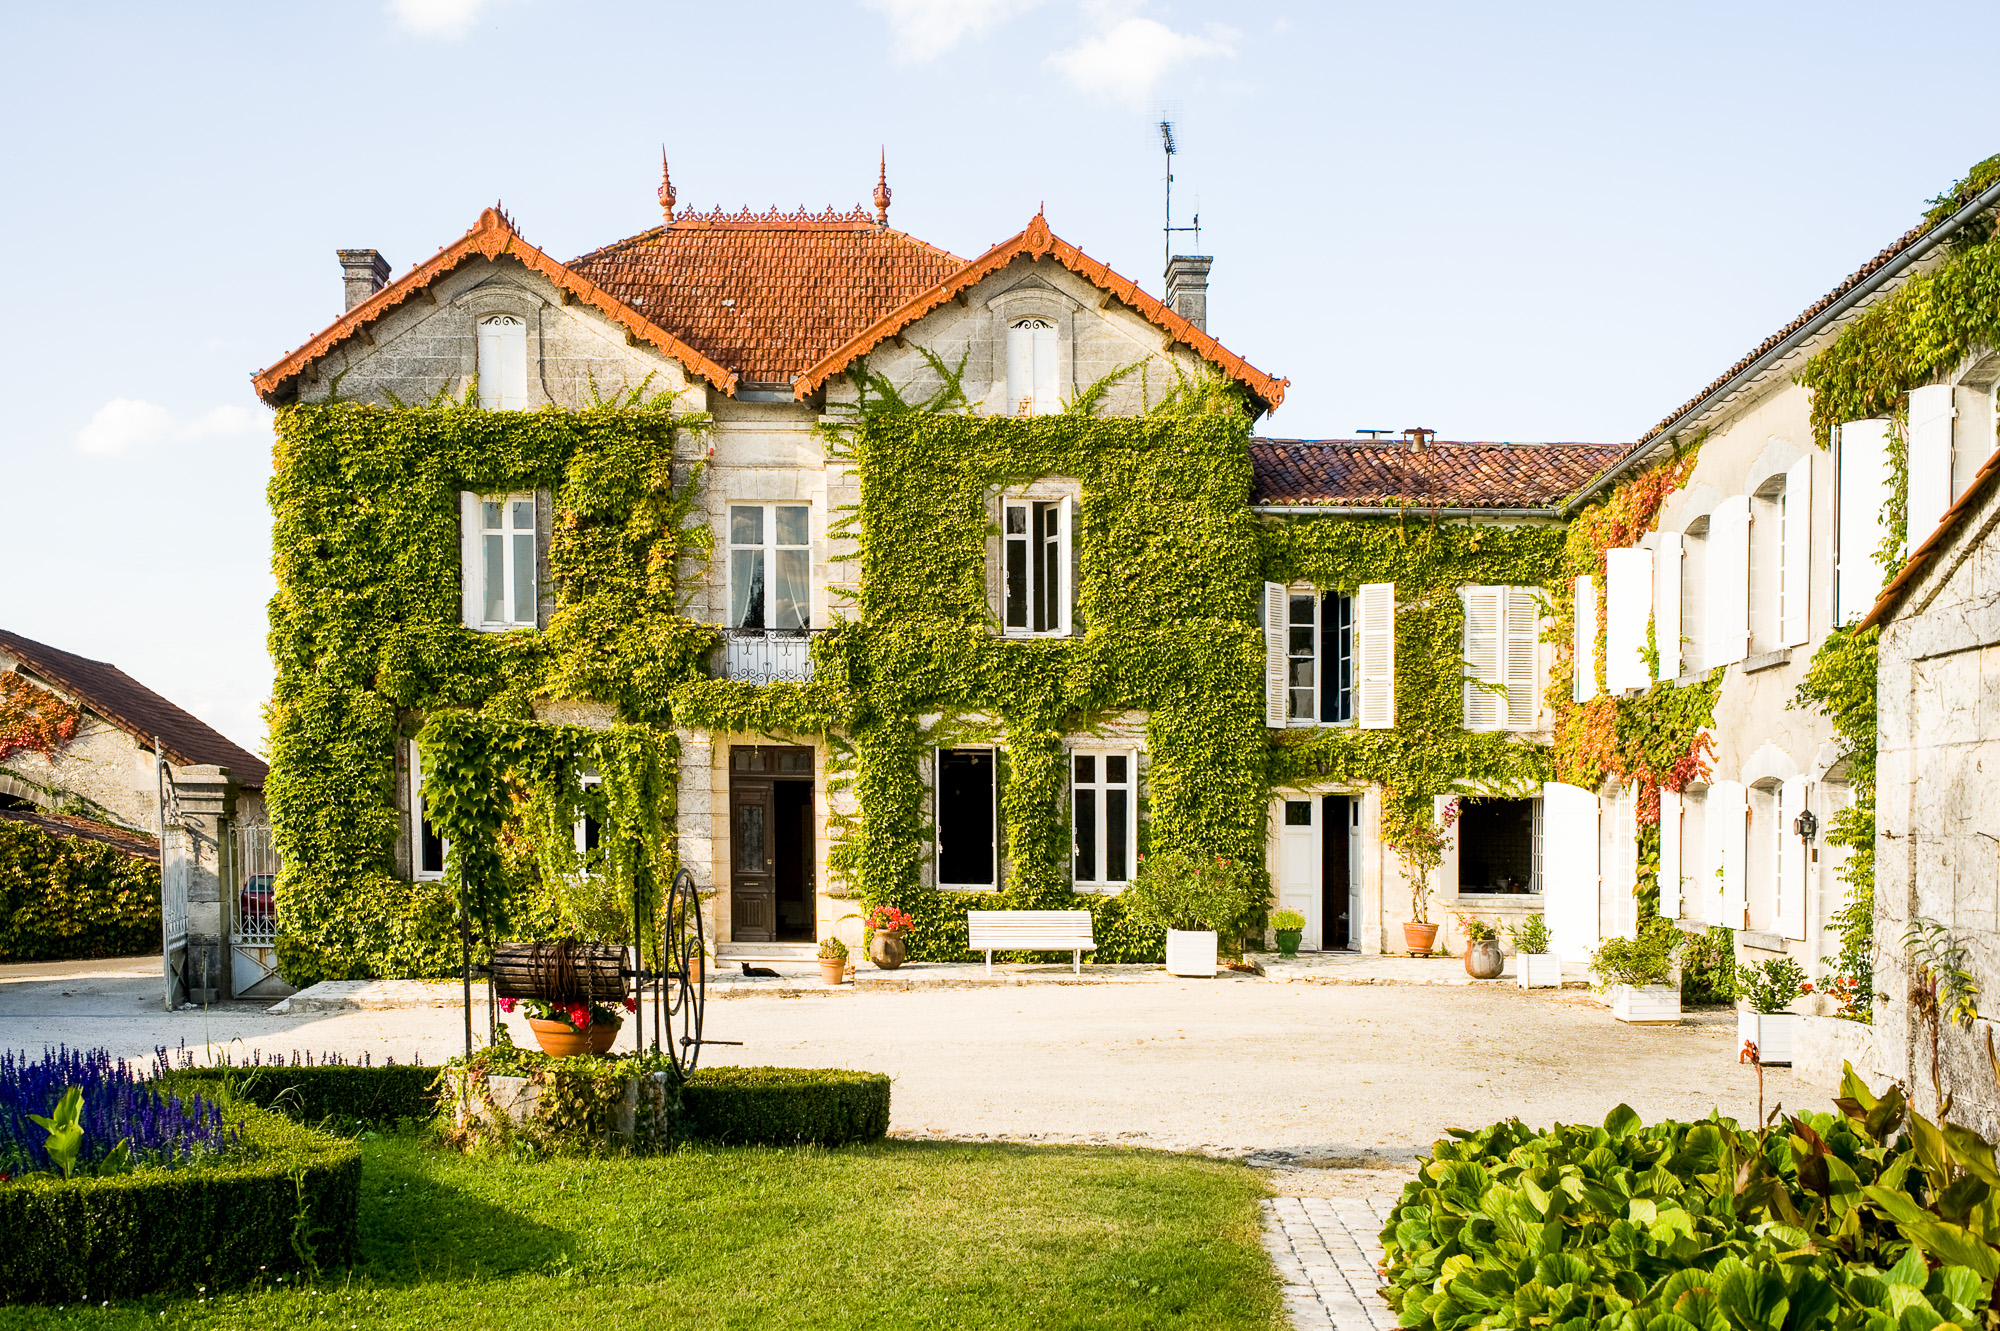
<point>681,984</point>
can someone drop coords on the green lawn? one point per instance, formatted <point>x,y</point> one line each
<point>890,1235</point>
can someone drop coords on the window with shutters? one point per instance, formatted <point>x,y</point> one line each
<point>1033,368</point>
<point>501,557</point>
<point>1694,608</point>
<point>1762,858</point>
<point>1104,816</point>
<point>1375,655</point>
<point>1698,888</point>
<point>503,362</point>
<point>770,567</point>
<point>1319,658</point>
<point>427,848</point>
<point>1767,565</point>
<point>1499,846</point>
<point>967,840</point>
<point>1862,485</point>
<point>1499,651</point>
<point>1583,642</point>
<point>1036,566</point>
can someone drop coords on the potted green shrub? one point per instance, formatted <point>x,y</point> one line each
<point>1482,948</point>
<point>1534,965</point>
<point>832,959</point>
<point>1639,973</point>
<point>1193,898</point>
<point>1289,926</point>
<point>1769,988</point>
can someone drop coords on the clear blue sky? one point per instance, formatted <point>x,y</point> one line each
<point>1535,221</point>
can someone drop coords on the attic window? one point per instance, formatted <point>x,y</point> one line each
<point>1032,377</point>
<point>503,363</point>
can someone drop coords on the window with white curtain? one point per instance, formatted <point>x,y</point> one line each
<point>1104,815</point>
<point>506,555</point>
<point>1033,372</point>
<point>770,566</point>
<point>503,362</point>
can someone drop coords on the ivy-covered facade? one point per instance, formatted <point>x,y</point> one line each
<point>869,575</point>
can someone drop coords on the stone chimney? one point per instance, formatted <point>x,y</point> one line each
<point>366,273</point>
<point>1187,287</point>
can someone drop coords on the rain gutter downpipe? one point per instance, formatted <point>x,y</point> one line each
<point>1869,285</point>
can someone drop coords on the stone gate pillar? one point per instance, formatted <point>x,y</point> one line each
<point>206,796</point>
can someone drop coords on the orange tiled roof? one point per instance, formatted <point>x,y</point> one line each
<point>767,294</point>
<point>1038,241</point>
<point>492,236</point>
<point>1359,472</point>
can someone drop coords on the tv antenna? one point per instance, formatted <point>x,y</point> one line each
<point>1167,142</point>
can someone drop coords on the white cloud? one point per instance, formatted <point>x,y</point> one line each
<point>925,29</point>
<point>1127,58</point>
<point>437,18</point>
<point>124,423</point>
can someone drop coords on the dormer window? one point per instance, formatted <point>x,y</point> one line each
<point>1032,369</point>
<point>503,362</point>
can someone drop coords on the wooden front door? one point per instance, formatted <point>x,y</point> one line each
<point>754,771</point>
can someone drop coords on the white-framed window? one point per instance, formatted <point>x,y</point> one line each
<point>1319,658</point>
<point>1494,847</point>
<point>1498,647</point>
<point>1329,657</point>
<point>1104,815</point>
<point>1035,565</point>
<point>1033,373</point>
<point>1693,590</point>
<point>966,815</point>
<point>427,848</point>
<point>503,362</point>
<point>770,566</point>
<point>499,560</point>
<point>587,827</point>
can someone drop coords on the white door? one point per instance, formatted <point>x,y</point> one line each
<point>1295,857</point>
<point>1569,869</point>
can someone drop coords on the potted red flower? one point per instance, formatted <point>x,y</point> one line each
<point>565,1029</point>
<point>888,931</point>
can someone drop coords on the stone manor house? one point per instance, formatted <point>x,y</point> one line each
<point>759,320</point>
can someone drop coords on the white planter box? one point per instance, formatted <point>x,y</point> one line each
<point>1776,1034</point>
<point>1538,970</point>
<point>1191,952</point>
<point>1646,1004</point>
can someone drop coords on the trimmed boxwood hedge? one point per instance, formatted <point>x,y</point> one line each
<point>292,1203</point>
<point>339,1096</point>
<point>784,1106</point>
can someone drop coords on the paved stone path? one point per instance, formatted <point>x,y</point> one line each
<point>1326,1253</point>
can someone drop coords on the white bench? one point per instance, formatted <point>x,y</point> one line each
<point>1031,931</point>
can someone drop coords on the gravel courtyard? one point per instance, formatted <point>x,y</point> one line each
<point>1339,1075</point>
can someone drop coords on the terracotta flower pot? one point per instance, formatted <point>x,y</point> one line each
<point>1288,942</point>
<point>1483,960</point>
<point>559,1039</point>
<point>694,968</point>
<point>604,1034</point>
<point>832,969</point>
<point>887,950</point>
<point>1419,939</point>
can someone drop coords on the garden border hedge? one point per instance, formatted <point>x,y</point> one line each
<point>349,1095</point>
<point>295,1205</point>
<point>765,1106</point>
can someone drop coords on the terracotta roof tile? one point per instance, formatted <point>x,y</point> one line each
<point>136,709</point>
<point>1443,475</point>
<point>139,845</point>
<point>1037,241</point>
<point>767,294</point>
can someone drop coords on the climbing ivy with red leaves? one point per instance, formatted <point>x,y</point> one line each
<point>33,720</point>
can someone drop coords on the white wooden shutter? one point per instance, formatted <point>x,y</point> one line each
<point>472,601</point>
<point>1862,489</point>
<point>1583,653</point>
<point>1929,453</point>
<point>1795,560</point>
<point>1519,651</point>
<point>1617,912</point>
<point>1727,819</point>
<point>1728,636</point>
<point>1667,604</point>
<point>1065,591</point>
<point>1479,649</point>
<point>1569,869</point>
<point>1670,854</point>
<point>1628,604</point>
<point>1791,862</point>
<point>1375,615</point>
<point>1276,712</point>
<point>1972,436</point>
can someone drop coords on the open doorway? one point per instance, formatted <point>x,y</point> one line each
<point>1337,816</point>
<point>771,880</point>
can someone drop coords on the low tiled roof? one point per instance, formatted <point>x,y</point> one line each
<point>136,844</point>
<point>1037,241</point>
<point>136,709</point>
<point>767,294</point>
<point>492,236</point>
<point>1441,475</point>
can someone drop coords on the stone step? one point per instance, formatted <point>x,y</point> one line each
<point>803,954</point>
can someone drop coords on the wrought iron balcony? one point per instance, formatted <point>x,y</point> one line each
<point>766,656</point>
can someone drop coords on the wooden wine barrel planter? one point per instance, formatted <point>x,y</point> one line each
<point>560,972</point>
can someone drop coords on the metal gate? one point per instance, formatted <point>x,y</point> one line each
<point>253,930</point>
<point>176,854</point>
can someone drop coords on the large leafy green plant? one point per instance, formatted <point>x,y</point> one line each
<point>1645,959</point>
<point>1178,889</point>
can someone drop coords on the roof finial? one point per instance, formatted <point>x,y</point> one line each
<point>882,190</point>
<point>667,195</point>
